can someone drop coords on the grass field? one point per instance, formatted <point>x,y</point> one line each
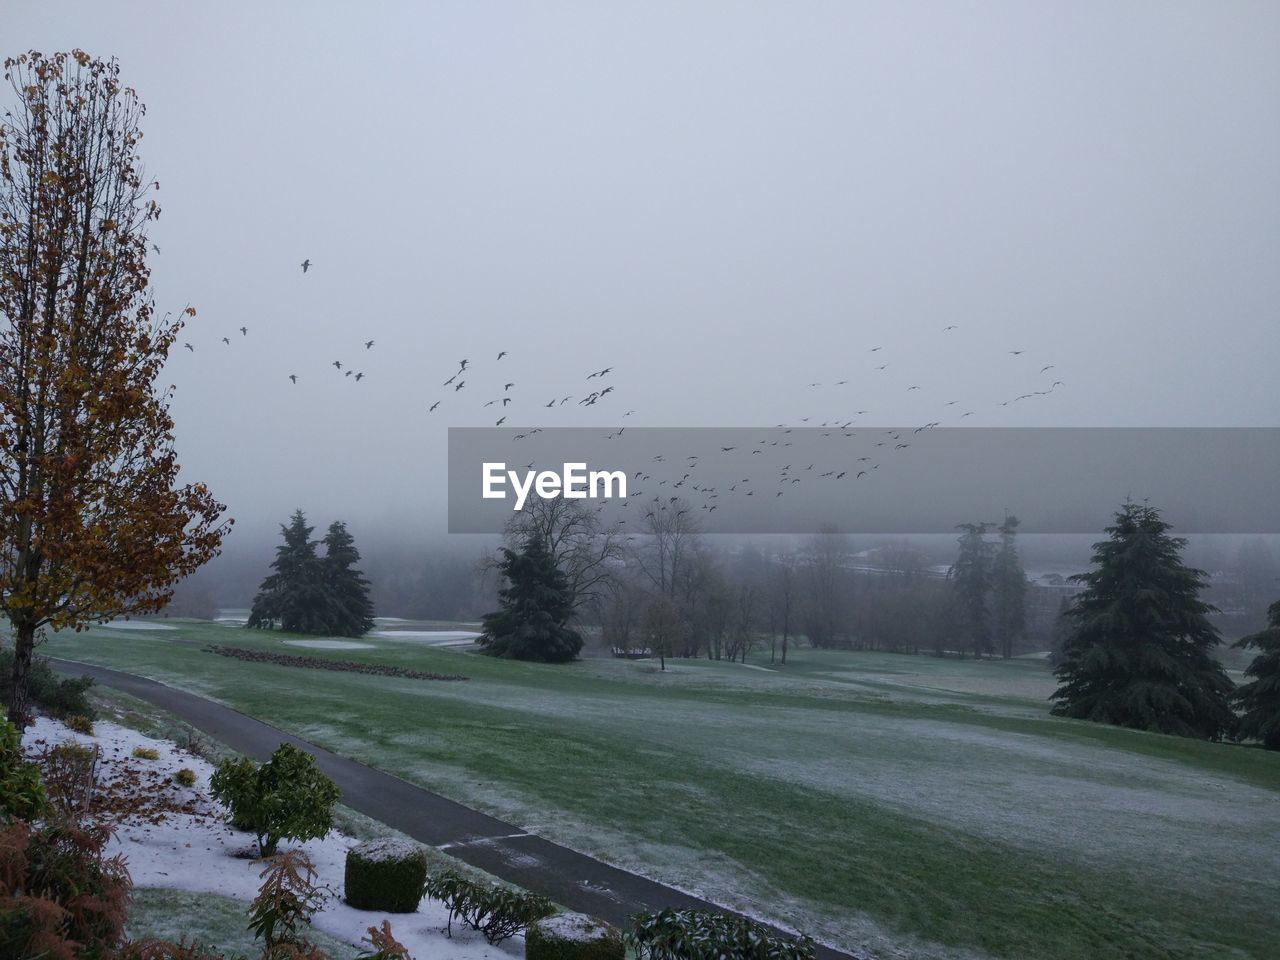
<point>909,806</point>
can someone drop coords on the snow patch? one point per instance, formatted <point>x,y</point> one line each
<point>329,644</point>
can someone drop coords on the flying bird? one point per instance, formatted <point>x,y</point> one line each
<point>1016,352</point>
<point>1049,367</point>
<point>293,377</point>
<point>337,364</point>
<point>306,265</point>
<point>227,341</point>
<point>508,386</point>
<point>950,327</point>
<point>460,384</point>
<point>244,331</point>
<point>432,408</point>
<point>359,377</point>
<point>368,344</point>
<point>190,347</point>
<point>501,354</point>
<point>462,364</point>
<point>501,421</point>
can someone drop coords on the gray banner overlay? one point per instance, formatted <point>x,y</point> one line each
<point>878,480</point>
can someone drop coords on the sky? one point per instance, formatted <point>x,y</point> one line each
<point>724,202</point>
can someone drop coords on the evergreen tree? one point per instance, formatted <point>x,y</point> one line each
<point>1009,590</point>
<point>293,596</point>
<point>1140,652</point>
<point>1260,698</point>
<point>971,576</point>
<point>350,611</point>
<point>536,605</point>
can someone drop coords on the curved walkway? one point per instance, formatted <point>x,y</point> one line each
<point>573,879</point>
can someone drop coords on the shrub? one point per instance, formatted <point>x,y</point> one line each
<point>495,911</point>
<point>22,795</point>
<point>573,936</point>
<point>185,777</point>
<point>385,875</point>
<point>385,946</point>
<point>286,900</point>
<point>70,776</point>
<point>62,697</point>
<point>146,753</point>
<point>706,935</point>
<point>60,899</point>
<point>288,797</point>
<point>154,949</point>
<point>79,723</point>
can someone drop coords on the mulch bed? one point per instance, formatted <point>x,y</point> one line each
<point>323,663</point>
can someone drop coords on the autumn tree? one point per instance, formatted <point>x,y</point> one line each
<point>93,522</point>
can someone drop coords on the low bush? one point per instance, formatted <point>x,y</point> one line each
<point>185,777</point>
<point>60,898</point>
<point>22,794</point>
<point>288,797</point>
<point>573,936</point>
<point>146,753</point>
<point>385,875</point>
<point>70,776</point>
<point>495,911</point>
<point>286,901</point>
<point>707,935</point>
<point>79,723</point>
<point>60,696</point>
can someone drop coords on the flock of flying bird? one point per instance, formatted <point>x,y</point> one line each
<point>682,483</point>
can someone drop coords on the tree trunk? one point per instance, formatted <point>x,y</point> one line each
<point>24,641</point>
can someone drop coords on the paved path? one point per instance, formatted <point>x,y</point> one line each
<point>577,881</point>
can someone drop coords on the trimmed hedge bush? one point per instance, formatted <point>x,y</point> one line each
<point>573,936</point>
<point>385,874</point>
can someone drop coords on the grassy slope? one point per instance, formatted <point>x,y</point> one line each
<point>872,799</point>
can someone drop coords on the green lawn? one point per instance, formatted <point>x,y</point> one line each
<point>873,800</point>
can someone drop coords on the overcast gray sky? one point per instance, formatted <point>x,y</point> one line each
<point>723,201</point>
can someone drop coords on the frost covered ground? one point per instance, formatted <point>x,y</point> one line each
<point>877,801</point>
<point>175,839</point>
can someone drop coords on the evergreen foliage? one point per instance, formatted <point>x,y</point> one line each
<point>1260,698</point>
<point>1140,650</point>
<point>972,577</point>
<point>536,605</point>
<point>309,593</point>
<point>1009,591</point>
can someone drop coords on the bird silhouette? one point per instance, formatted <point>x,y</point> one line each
<point>501,421</point>
<point>462,364</point>
<point>1017,352</point>
<point>508,386</point>
<point>359,377</point>
<point>368,344</point>
<point>337,364</point>
<point>1048,367</point>
<point>501,354</point>
<point>431,409</point>
<point>459,385</point>
<point>244,331</point>
<point>950,327</point>
<point>293,377</point>
<point>306,265</point>
<point>190,347</point>
<point>227,341</point>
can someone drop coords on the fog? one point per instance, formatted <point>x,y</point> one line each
<point>725,202</point>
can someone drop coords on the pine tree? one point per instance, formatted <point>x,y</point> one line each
<point>1140,651</point>
<point>971,576</point>
<point>536,605</point>
<point>1260,698</point>
<point>349,611</point>
<point>1009,586</point>
<point>293,596</point>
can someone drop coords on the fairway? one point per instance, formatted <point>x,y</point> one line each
<point>872,800</point>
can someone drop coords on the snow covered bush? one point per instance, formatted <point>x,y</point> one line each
<point>385,874</point>
<point>707,935</point>
<point>573,936</point>
<point>494,911</point>
<point>288,797</point>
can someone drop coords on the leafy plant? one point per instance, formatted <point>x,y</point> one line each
<point>63,697</point>
<point>494,911</point>
<point>185,777</point>
<point>707,935</point>
<point>385,946</point>
<point>71,776</point>
<point>79,723</point>
<point>22,794</point>
<point>286,900</point>
<point>288,797</point>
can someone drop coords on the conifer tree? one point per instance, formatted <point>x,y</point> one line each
<point>293,596</point>
<point>536,605</point>
<point>1260,698</point>
<point>349,610</point>
<point>1140,650</point>
<point>1009,590</point>
<point>971,576</point>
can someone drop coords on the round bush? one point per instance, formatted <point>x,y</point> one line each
<point>385,875</point>
<point>572,936</point>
